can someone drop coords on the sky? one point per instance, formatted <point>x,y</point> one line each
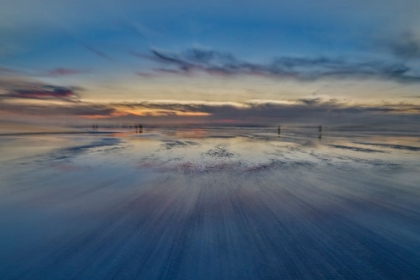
<point>210,62</point>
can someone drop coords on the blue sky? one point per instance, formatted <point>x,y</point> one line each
<point>116,55</point>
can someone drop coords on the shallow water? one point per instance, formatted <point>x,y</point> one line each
<point>210,204</point>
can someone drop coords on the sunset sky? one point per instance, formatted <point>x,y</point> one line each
<point>210,62</point>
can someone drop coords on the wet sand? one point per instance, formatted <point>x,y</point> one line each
<point>209,204</point>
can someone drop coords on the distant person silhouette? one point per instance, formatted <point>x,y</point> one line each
<point>319,132</point>
<point>139,128</point>
<point>279,130</point>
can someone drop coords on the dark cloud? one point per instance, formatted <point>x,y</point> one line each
<point>44,92</point>
<point>407,46</point>
<point>30,89</point>
<point>300,68</point>
<point>308,101</point>
<point>48,110</point>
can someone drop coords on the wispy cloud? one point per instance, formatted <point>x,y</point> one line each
<point>97,52</point>
<point>300,68</point>
<point>65,72</point>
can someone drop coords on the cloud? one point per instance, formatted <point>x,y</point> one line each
<point>64,72</point>
<point>50,110</point>
<point>45,91</point>
<point>407,46</point>
<point>300,68</point>
<point>26,88</point>
<point>5,70</point>
<point>97,52</point>
<point>307,111</point>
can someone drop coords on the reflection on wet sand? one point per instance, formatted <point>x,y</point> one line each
<point>210,204</point>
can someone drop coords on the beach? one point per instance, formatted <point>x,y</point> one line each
<point>210,203</point>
